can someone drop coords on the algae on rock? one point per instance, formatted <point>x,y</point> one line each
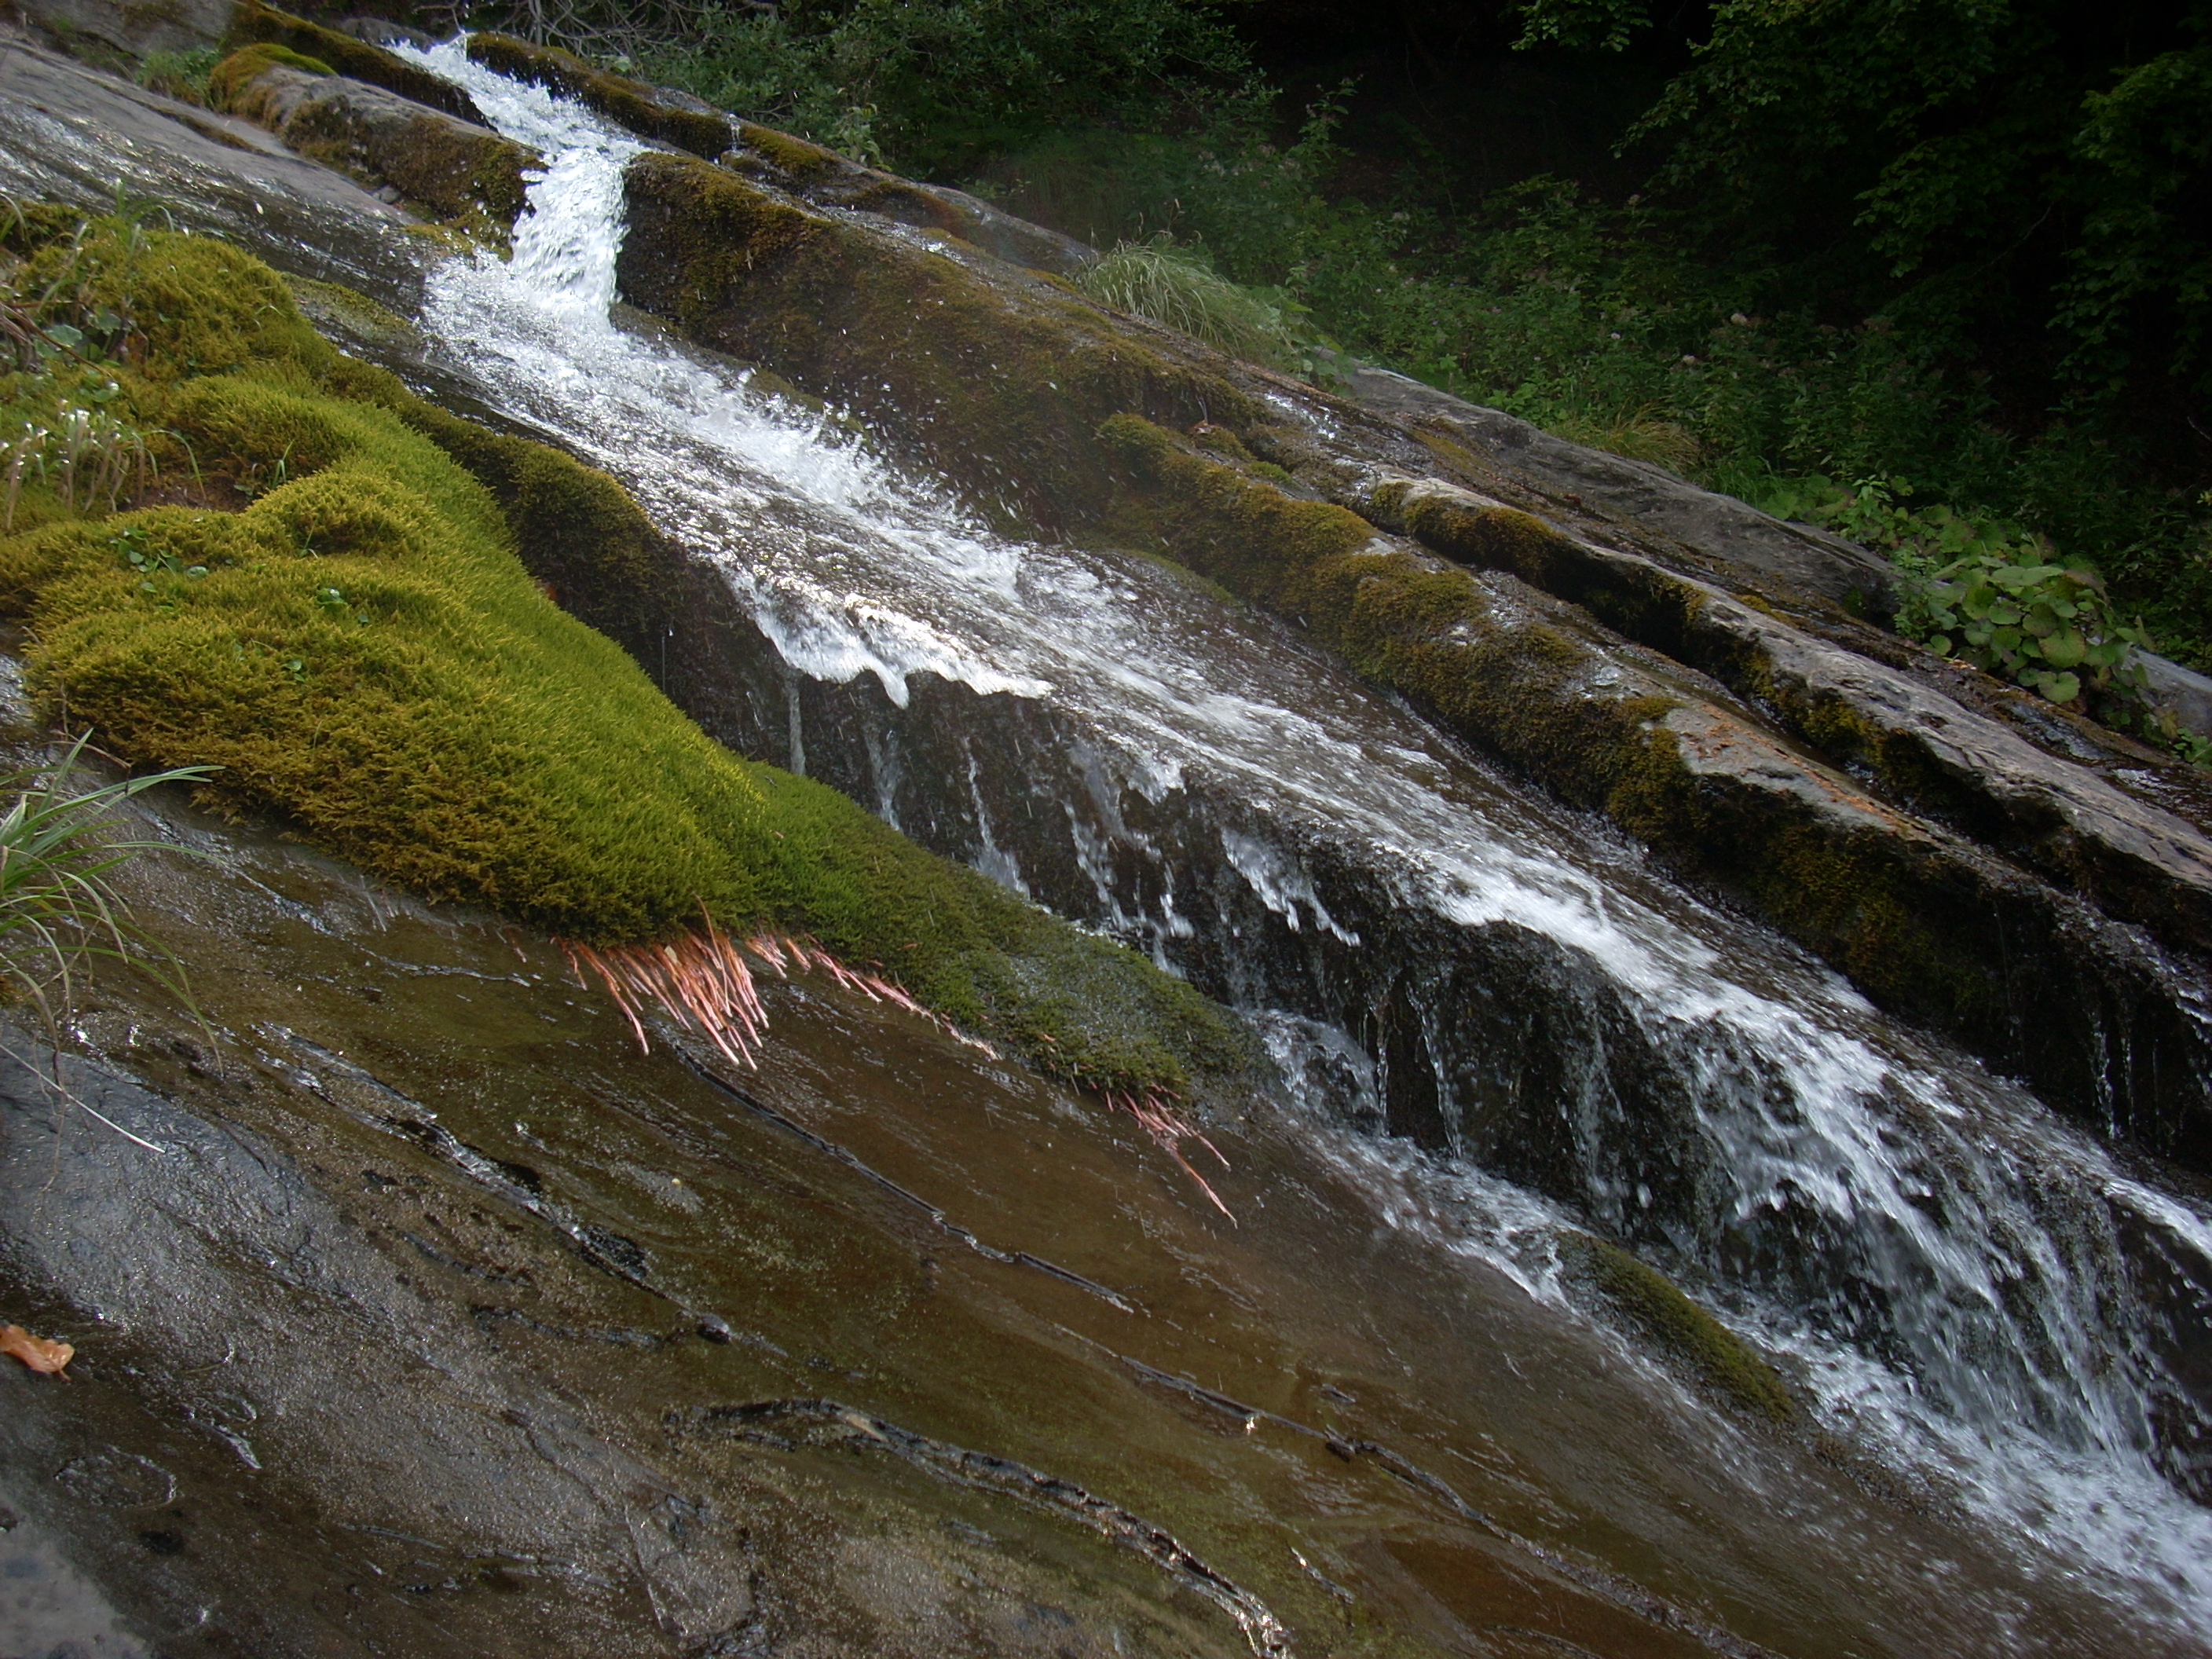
<point>1012,374</point>
<point>1656,1306</point>
<point>332,610</point>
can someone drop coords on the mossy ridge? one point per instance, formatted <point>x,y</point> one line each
<point>1001,381</point>
<point>802,161</point>
<point>1920,927</point>
<point>462,174</point>
<point>1671,614</point>
<point>252,23</point>
<point>645,109</point>
<point>1515,683</point>
<point>361,650</point>
<point>1655,1305</point>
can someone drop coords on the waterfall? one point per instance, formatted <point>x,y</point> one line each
<point>1963,1281</point>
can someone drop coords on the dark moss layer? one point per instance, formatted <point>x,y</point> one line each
<point>1692,1338</point>
<point>336,615</point>
<point>999,380</point>
<point>645,109</point>
<point>253,22</point>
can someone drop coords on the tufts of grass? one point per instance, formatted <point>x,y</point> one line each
<point>58,907</point>
<point>1639,435</point>
<point>1157,280</point>
<point>180,75</point>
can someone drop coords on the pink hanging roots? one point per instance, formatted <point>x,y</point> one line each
<point>1155,1112</point>
<point>705,982</point>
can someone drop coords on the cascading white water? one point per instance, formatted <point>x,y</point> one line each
<point>1988,1332</point>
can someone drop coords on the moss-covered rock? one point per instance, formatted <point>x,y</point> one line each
<point>460,175</point>
<point>1000,378</point>
<point>1919,749</point>
<point>1922,921</point>
<point>649,111</point>
<point>1655,1306</point>
<point>336,616</point>
<point>228,80</point>
<point>253,23</point>
<point>824,178</point>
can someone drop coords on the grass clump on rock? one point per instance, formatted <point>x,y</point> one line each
<point>1168,284</point>
<point>319,600</point>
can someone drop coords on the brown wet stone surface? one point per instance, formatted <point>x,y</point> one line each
<point>434,1305</point>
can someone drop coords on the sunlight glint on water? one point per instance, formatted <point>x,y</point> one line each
<point>1983,1234</point>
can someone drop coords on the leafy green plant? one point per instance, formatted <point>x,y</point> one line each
<point>2050,627</point>
<point>1985,591</point>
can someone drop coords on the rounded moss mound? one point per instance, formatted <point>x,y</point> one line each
<point>332,608</point>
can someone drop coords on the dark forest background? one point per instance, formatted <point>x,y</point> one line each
<point>1937,273</point>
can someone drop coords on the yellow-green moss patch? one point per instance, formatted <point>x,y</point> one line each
<point>339,620</point>
<point>228,80</point>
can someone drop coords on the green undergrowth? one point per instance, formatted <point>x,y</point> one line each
<point>321,598</point>
<point>1690,1336</point>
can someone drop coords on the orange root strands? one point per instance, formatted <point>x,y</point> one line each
<point>704,980</point>
<point>1156,1116</point>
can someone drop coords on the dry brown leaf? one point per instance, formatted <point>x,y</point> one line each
<point>35,1351</point>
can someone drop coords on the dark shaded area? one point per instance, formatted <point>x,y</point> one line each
<point>1441,102</point>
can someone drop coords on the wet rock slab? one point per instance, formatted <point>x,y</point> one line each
<point>443,1323</point>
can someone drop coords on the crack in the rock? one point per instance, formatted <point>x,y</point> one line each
<point>608,1251</point>
<point>859,1166</point>
<point>1623,1592</point>
<point>787,1424</point>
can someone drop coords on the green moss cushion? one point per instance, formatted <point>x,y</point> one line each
<point>336,615</point>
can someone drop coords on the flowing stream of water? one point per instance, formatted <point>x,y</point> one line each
<point>1963,1281</point>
